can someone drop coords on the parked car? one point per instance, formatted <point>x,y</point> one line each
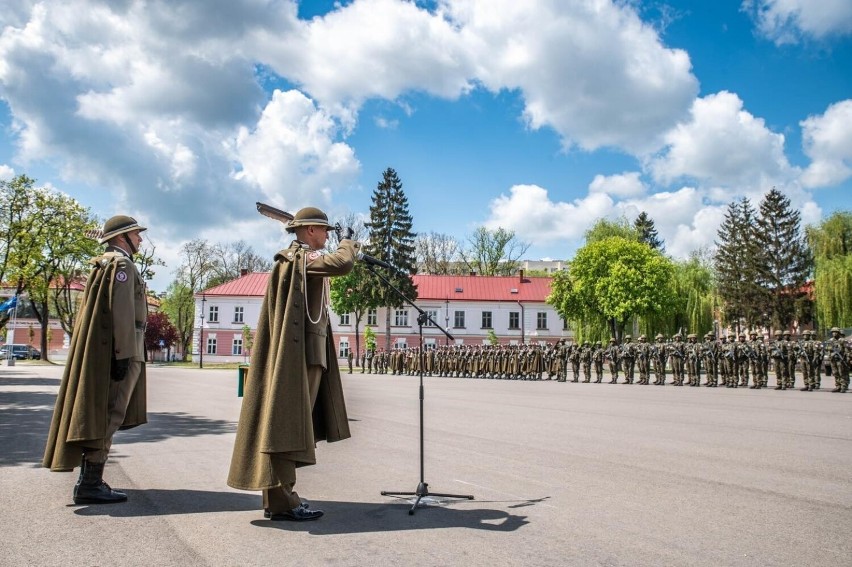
<point>20,352</point>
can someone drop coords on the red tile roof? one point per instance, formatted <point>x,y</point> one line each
<point>429,288</point>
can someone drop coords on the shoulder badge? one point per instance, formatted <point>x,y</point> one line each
<point>120,276</point>
<point>313,256</point>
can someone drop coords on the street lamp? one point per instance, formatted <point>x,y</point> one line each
<point>201,334</point>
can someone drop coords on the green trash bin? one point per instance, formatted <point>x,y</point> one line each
<point>242,374</point>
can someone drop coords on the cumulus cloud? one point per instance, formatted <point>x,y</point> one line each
<point>6,172</point>
<point>787,21</point>
<point>723,144</point>
<point>626,184</point>
<point>291,153</point>
<point>827,140</point>
<point>593,71</point>
<point>528,211</point>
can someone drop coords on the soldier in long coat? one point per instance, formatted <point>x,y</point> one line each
<point>293,395</point>
<point>103,388</point>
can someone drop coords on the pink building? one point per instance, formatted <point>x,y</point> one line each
<point>469,307</point>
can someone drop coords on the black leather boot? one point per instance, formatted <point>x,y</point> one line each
<point>92,488</point>
<point>80,478</point>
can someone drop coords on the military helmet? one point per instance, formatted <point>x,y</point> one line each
<point>119,224</point>
<point>779,332</point>
<point>836,330</point>
<point>752,333</point>
<point>308,216</point>
<point>628,337</point>
<point>787,333</point>
<point>710,335</point>
<point>742,335</point>
<point>691,336</point>
<point>612,339</point>
<point>677,336</point>
<point>660,336</point>
<point>643,338</point>
<point>599,344</point>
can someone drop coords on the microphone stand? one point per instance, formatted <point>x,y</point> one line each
<point>422,487</point>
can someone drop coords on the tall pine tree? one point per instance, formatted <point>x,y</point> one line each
<point>644,225</point>
<point>785,259</point>
<point>736,263</point>
<point>392,241</point>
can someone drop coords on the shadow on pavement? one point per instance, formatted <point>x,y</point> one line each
<point>340,518</point>
<point>159,502</point>
<point>24,421</point>
<point>164,425</point>
<point>23,381</point>
<point>360,517</point>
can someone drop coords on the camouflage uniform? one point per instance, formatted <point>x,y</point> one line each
<point>658,355</point>
<point>643,359</point>
<point>838,355</point>
<point>586,361</point>
<point>574,357</point>
<point>710,357</point>
<point>792,349</point>
<point>628,359</point>
<point>676,356</point>
<point>692,360</point>
<point>598,361</point>
<point>778,352</point>
<point>612,354</point>
<point>744,356</point>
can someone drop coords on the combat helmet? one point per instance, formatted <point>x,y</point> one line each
<point>119,224</point>
<point>642,338</point>
<point>836,330</point>
<point>660,337</point>
<point>710,335</point>
<point>628,337</point>
<point>691,336</point>
<point>612,339</point>
<point>308,216</point>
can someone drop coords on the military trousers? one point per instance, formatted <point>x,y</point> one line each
<point>283,497</point>
<point>119,398</point>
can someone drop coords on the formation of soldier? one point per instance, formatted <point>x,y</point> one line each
<point>732,362</point>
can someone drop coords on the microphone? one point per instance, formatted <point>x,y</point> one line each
<point>375,261</point>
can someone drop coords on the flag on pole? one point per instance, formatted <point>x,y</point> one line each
<point>9,304</point>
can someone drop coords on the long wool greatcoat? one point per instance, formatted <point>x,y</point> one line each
<point>81,414</point>
<point>276,414</point>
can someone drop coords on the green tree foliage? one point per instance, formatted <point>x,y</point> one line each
<point>609,282</point>
<point>605,228</point>
<point>493,252</point>
<point>392,241</point>
<point>179,304</point>
<point>369,339</point>
<point>644,225</point>
<point>694,299</point>
<point>736,265</point>
<point>831,243</point>
<point>44,247</point>
<point>248,341</point>
<point>353,294</point>
<point>784,260</point>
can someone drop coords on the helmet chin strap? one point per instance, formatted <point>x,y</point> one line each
<point>133,249</point>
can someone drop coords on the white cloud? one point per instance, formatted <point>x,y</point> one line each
<point>6,172</point>
<point>591,70</point>
<point>291,154</point>
<point>625,184</point>
<point>723,144</point>
<point>827,140</point>
<point>787,21</point>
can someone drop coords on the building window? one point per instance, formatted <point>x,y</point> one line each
<point>541,320</point>
<point>564,324</point>
<point>430,344</point>
<point>237,348</point>
<point>486,320</point>
<point>433,316</point>
<point>458,320</point>
<point>343,351</point>
<point>238,314</point>
<point>344,319</point>
<point>372,317</point>
<point>400,318</point>
<point>211,345</point>
<point>514,320</point>
<point>213,314</point>
<point>400,344</point>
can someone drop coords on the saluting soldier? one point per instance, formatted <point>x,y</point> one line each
<point>103,388</point>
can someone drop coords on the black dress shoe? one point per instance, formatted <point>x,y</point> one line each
<point>301,513</point>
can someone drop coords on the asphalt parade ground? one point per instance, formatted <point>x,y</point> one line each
<point>562,474</point>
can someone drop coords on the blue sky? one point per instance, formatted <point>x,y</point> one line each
<point>537,116</point>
